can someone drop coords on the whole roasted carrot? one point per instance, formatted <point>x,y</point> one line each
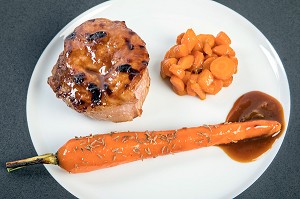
<point>93,152</point>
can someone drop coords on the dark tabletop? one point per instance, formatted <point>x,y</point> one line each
<point>28,26</point>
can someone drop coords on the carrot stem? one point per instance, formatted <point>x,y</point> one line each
<point>48,158</point>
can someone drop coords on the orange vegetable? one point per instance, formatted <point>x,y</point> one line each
<point>198,46</point>
<point>223,50</point>
<point>179,37</point>
<point>189,89</point>
<point>222,68</point>
<point>207,38</point>
<point>177,71</point>
<point>181,51</point>
<point>207,49</point>
<point>165,66</point>
<point>227,82</point>
<point>186,62</point>
<point>177,83</point>
<point>197,89</point>
<point>217,86</point>
<point>210,57</point>
<point>205,80</point>
<point>198,61</point>
<point>100,151</point>
<point>189,39</point>
<point>207,62</point>
<point>235,61</point>
<point>222,38</point>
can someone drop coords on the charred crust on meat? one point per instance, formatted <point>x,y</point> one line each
<point>107,89</point>
<point>91,20</point>
<point>141,46</point>
<point>71,36</point>
<point>127,68</point>
<point>129,45</point>
<point>96,93</point>
<point>58,88</point>
<point>95,36</point>
<point>79,78</point>
<point>145,63</point>
<point>131,32</point>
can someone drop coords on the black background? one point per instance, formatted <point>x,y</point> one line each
<point>28,26</point>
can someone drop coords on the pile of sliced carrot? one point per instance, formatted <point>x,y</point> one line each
<point>200,64</point>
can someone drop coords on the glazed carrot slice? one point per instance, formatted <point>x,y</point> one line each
<point>227,82</point>
<point>207,49</point>
<point>100,151</point>
<point>207,38</point>
<point>205,79</point>
<point>165,66</point>
<point>177,71</point>
<point>180,51</point>
<point>186,77</point>
<point>235,61</point>
<point>178,92</point>
<point>179,38</point>
<point>222,38</point>
<point>198,46</point>
<point>192,79</point>
<point>223,50</point>
<point>189,39</point>
<point>207,62</point>
<point>222,68</point>
<point>217,86</point>
<point>197,89</point>
<point>189,89</point>
<point>198,61</point>
<point>177,83</point>
<point>186,62</point>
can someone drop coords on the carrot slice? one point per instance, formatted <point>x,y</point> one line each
<point>186,77</point>
<point>207,62</point>
<point>197,89</point>
<point>189,39</point>
<point>180,51</point>
<point>217,86</point>
<point>222,38</point>
<point>177,83</point>
<point>207,49</point>
<point>189,89</point>
<point>207,38</point>
<point>222,68</point>
<point>165,66</point>
<point>177,70</point>
<point>227,82</point>
<point>179,37</point>
<point>205,79</point>
<point>223,50</point>
<point>235,61</point>
<point>198,46</point>
<point>186,62</point>
<point>198,61</point>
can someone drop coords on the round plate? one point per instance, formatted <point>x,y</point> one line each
<point>203,173</point>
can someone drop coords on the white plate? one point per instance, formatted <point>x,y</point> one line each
<point>204,173</point>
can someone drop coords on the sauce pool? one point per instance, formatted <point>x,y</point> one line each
<point>253,105</point>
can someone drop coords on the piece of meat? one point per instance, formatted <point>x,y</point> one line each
<point>102,71</point>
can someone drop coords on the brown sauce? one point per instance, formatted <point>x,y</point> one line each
<point>252,106</point>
